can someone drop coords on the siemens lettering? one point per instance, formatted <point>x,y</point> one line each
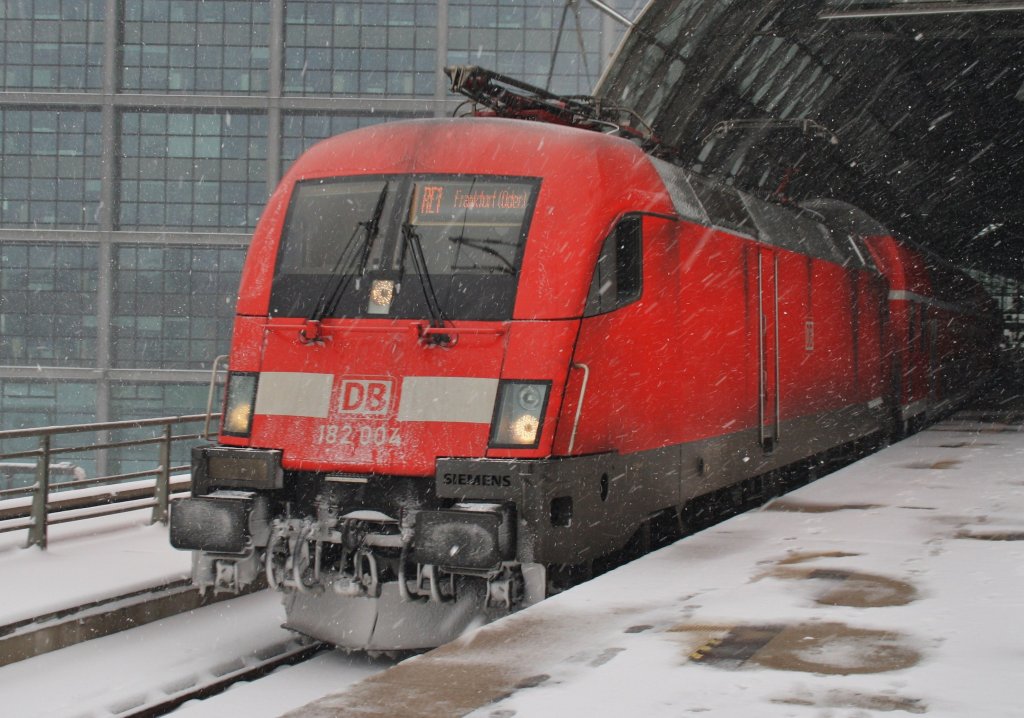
<point>503,480</point>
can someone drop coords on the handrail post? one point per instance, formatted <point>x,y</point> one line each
<point>209,397</point>
<point>162,490</point>
<point>579,403</point>
<point>37,532</point>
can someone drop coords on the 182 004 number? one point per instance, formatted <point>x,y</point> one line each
<point>357,436</point>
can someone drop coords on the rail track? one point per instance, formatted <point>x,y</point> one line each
<point>153,669</point>
<point>20,640</point>
<point>243,669</point>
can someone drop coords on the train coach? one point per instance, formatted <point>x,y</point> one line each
<point>470,353</point>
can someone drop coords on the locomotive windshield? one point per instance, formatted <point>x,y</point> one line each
<point>404,247</point>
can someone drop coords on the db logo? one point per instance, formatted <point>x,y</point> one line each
<point>365,396</point>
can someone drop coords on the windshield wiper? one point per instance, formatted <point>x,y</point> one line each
<point>481,246</point>
<point>414,245</point>
<point>354,256</point>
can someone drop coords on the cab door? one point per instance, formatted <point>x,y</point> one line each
<point>619,393</point>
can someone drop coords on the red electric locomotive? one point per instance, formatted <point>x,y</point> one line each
<point>471,352</point>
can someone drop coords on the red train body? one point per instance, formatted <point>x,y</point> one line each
<point>470,352</point>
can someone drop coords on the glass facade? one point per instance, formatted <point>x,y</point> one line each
<point>135,400</point>
<point>51,44</point>
<point>140,139</point>
<point>357,47</point>
<point>173,306</point>
<point>299,132</point>
<point>195,46</point>
<point>520,39</point>
<point>192,171</point>
<point>28,403</point>
<point>50,174</point>
<point>47,304</point>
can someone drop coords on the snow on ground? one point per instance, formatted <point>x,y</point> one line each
<point>85,561</point>
<point>892,587</point>
<point>110,675</point>
<point>113,673</point>
<point>287,688</point>
<point>109,556</point>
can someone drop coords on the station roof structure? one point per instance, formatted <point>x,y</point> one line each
<point>913,111</point>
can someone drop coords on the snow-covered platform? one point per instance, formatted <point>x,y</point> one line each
<point>892,587</point>
<point>86,561</point>
<point>97,559</point>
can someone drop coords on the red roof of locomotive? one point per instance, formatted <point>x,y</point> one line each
<point>587,180</point>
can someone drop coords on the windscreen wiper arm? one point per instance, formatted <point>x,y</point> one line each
<point>481,246</point>
<point>415,248</point>
<point>355,256</point>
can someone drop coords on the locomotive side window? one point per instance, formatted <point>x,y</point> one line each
<point>618,276</point>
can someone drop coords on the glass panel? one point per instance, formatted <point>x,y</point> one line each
<point>173,306</point>
<point>618,276</point>
<point>518,40</point>
<point>177,181</point>
<point>416,245</point>
<point>322,37</point>
<point>26,404</point>
<point>302,131</point>
<point>196,46</point>
<point>51,45</point>
<point>61,278</point>
<point>325,216</point>
<point>470,226</point>
<point>33,193</point>
<point>143,401</point>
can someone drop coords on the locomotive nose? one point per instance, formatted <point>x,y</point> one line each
<point>390,402</point>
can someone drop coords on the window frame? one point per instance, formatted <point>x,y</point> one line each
<point>596,304</point>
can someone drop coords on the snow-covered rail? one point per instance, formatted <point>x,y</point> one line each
<point>191,659</point>
<point>26,638</point>
<point>243,670</point>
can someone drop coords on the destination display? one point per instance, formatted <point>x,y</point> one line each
<point>470,202</point>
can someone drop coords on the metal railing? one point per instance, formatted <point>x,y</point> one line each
<point>46,498</point>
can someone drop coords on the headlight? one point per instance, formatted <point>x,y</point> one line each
<point>238,406</point>
<point>519,415</point>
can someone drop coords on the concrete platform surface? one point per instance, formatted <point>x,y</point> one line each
<point>892,587</point>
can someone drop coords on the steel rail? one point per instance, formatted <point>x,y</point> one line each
<point>119,494</point>
<point>290,655</point>
<point>34,636</point>
<point>87,483</point>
